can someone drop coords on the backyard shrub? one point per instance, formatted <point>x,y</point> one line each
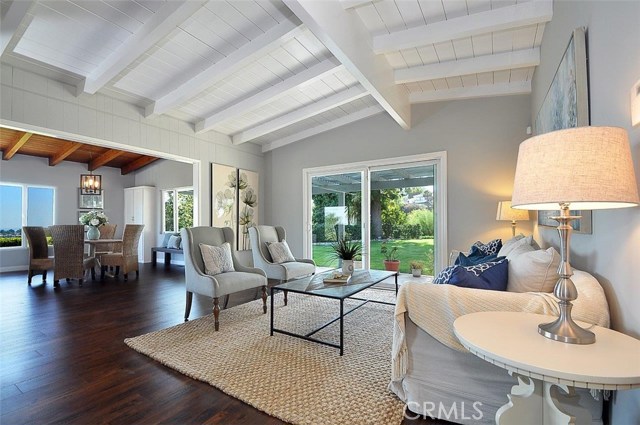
<point>422,218</point>
<point>11,241</point>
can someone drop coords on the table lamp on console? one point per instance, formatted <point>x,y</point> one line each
<point>506,213</point>
<point>583,168</point>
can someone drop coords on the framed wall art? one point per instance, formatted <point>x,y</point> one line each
<point>234,201</point>
<point>566,105</point>
<point>90,201</point>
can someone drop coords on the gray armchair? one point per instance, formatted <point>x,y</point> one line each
<point>260,236</point>
<point>221,284</point>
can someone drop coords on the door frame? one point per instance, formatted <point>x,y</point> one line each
<point>439,159</point>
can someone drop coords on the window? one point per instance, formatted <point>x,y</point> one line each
<point>175,218</point>
<point>22,205</point>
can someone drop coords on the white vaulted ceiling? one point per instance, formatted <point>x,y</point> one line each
<point>275,72</point>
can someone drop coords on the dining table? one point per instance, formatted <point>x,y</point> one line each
<point>95,243</point>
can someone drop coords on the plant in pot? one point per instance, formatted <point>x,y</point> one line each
<point>348,252</point>
<point>390,253</point>
<point>416,268</point>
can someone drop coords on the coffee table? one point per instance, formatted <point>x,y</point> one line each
<point>314,286</point>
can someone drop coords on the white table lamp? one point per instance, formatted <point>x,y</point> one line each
<point>506,213</point>
<point>583,168</point>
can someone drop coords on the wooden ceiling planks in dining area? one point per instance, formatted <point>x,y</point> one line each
<point>57,150</point>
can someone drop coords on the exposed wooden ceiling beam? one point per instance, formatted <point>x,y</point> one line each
<point>283,88</point>
<point>162,23</point>
<point>488,90</point>
<point>15,147</point>
<point>15,15</point>
<point>487,63</point>
<point>356,116</point>
<point>300,114</point>
<point>137,164</point>
<point>64,152</point>
<point>503,18</point>
<point>236,60</point>
<point>104,158</point>
<point>346,37</point>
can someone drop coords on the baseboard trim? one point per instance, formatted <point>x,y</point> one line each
<point>14,268</point>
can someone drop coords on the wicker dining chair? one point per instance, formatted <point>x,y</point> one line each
<point>68,249</point>
<point>39,260</point>
<point>127,259</point>
<point>107,231</point>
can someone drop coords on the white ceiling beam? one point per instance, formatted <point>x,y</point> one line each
<point>300,114</point>
<point>504,18</point>
<point>458,93</point>
<point>161,24</point>
<point>356,116</point>
<point>346,37</point>
<point>488,63</point>
<point>301,79</point>
<point>218,71</point>
<point>354,4</point>
<point>15,15</point>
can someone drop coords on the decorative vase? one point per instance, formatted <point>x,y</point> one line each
<point>347,266</point>
<point>93,233</point>
<point>416,272</point>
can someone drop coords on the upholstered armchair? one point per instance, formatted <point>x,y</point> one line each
<point>127,258</point>
<point>260,237</point>
<point>68,249</point>
<point>219,285</point>
<point>39,260</point>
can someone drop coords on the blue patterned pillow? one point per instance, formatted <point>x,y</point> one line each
<point>493,275</point>
<point>489,248</point>
<point>476,256</point>
<point>444,275</point>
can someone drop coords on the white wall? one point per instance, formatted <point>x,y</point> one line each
<point>32,102</point>
<point>65,178</point>
<point>481,138</point>
<point>611,252</point>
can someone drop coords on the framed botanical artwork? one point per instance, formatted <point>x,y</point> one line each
<point>234,201</point>
<point>92,202</point>
<point>566,105</point>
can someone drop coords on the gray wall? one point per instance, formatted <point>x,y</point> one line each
<point>481,138</point>
<point>65,177</point>
<point>611,252</point>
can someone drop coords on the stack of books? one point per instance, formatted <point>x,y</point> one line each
<point>337,277</point>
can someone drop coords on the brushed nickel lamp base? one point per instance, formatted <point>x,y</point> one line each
<point>564,329</point>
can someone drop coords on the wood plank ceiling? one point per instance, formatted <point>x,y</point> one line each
<point>58,150</point>
<point>274,72</point>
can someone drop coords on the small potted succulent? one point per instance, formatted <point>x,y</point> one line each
<point>347,252</point>
<point>391,262</point>
<point>416,268</point>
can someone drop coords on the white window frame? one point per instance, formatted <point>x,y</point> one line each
<point>439,159</point>
<point>25,206</point>
<point>175,207</point>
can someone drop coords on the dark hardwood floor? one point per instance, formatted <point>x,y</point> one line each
<point>63,359</point>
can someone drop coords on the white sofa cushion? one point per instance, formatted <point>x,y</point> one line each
<point>532,270</point>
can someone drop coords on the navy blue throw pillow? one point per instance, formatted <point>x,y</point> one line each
<point>476,256</point>
<point>489,248</point>
<point>492,275</point>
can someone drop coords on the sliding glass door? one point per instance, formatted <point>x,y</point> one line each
<point>398,203</point>
<point>336,213</point>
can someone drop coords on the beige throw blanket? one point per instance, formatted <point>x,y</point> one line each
<point>434,308</point>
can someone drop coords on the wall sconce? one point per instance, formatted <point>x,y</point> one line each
<point>90,184</point>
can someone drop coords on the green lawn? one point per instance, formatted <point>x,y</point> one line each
<point>408,250</point>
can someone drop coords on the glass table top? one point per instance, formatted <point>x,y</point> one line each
<point>314,285</point>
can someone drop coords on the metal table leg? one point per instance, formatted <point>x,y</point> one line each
<point>272,292</point>
<point>341,327</point>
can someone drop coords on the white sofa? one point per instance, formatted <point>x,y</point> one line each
<point>432,371</point>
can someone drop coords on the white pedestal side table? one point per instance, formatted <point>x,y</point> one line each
<point>548,371</point>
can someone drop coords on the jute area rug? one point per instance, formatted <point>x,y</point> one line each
<point>298,381</point>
